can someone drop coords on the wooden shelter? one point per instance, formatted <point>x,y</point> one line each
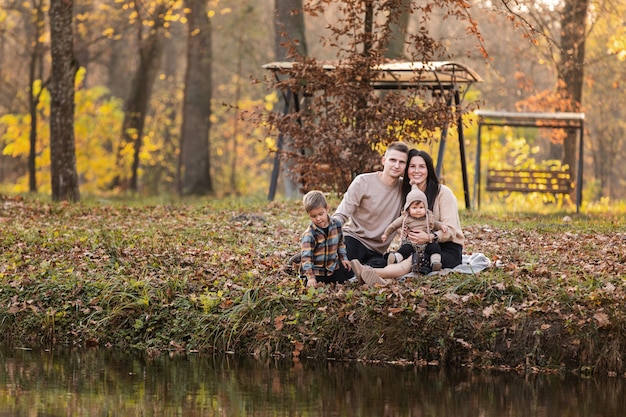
<point>437,76</point>
<point>544,181</point>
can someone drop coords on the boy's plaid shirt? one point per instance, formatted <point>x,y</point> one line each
<point>321,252</point>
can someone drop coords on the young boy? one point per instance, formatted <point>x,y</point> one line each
<point>323,257</point>
<point>416,216</point>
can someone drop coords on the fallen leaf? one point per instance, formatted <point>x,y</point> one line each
<point>602,319</point>
<point>297,348</point>
<point>279,322</point>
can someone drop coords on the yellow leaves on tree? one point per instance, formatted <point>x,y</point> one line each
<point>617,43</point>
<point>98,119</point>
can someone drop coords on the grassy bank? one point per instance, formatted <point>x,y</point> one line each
<point>213,278</point>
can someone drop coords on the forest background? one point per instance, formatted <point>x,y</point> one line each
<point>133,58</point>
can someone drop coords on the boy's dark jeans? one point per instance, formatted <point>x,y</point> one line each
<point>339,276</point>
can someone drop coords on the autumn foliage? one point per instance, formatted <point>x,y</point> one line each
<point>338,123</point>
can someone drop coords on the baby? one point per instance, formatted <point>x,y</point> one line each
<point>415,217</point>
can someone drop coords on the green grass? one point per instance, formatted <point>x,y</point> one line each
<point>211,276</point>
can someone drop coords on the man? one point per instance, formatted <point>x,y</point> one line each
<point>372,202</point>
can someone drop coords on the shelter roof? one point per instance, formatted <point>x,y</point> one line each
<point>532,119</point>
<point>407,74</point>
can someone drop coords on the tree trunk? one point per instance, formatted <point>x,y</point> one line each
<point>289,30</point>
<point>195,162</point>
<point>368,30</point>
<point>234,158</point>
<point>136,105</point>
<point>117,68</point>
<point>35,72</point>
<point>62,146</point>
<point>289,39</point>
<point>571,67</point>
<point>398,28</point>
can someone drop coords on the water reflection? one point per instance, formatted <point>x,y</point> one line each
<point>103,383</point>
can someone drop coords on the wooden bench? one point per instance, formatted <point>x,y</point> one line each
<point>529,181</point>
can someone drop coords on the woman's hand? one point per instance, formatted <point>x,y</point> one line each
<point>419,237</point>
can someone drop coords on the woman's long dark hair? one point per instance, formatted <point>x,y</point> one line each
<point>432,181</point>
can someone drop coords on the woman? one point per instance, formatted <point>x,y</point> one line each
<point>420,171</point>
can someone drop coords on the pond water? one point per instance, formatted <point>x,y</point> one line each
<point>37,383</point>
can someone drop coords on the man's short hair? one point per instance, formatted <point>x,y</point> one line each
<point>314,199</point>
<point>398,146</point>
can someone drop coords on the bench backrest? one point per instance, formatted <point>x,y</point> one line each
<point>529,181</point>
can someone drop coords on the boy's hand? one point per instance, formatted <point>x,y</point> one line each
<point>444,228</point>
<point>383,237</point>
<point>311,282</point>
<point>347,264</point>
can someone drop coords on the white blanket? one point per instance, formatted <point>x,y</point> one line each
<point>472,264</point>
